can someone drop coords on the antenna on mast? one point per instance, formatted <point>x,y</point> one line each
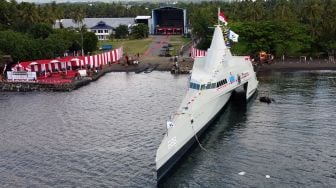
<point>218,15</point>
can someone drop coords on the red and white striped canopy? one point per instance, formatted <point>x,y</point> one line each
<point>197,52</point>
<point>62,63</point>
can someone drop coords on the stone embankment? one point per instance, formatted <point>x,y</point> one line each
<point>161,64</point>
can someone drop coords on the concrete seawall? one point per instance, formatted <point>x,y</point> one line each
<point>161,64</point>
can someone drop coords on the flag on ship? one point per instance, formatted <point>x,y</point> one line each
<point>233,36</point>
<point>222,18</point>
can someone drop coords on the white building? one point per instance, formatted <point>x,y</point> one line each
<point>102,30</point>
<point>91,23</point>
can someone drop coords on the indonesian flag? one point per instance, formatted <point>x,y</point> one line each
<point>222,18</point>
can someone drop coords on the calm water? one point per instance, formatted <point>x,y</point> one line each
<point>106,135</point>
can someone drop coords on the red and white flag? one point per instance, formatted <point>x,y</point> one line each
<point>222,18</point>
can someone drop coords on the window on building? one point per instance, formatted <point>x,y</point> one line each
<point>106,31</point>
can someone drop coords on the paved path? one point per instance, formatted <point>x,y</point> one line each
<point>156,46</point>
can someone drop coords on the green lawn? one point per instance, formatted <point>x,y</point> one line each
<point>131,47</point>
<point>177,42</point>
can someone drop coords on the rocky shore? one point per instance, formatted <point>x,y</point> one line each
<point>297,65</point>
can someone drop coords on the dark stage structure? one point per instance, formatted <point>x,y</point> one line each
<point>169,21</point>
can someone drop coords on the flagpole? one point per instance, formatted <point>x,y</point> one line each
<point>218,15</point>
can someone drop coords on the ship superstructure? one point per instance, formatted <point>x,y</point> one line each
<point>213,79</point>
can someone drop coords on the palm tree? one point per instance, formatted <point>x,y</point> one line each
<point>78,17</point>
<point>313,12</point>
<point>283,12</point>
<point>28,13</point>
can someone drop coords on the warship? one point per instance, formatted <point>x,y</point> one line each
<point>213,79</point>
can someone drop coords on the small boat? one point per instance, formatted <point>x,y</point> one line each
<point>213,79</point>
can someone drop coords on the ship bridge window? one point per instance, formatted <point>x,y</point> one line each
<point>202,86</point>
<point>208,86</point>
<point>197,86</point>
<point>219,83</point>
<point>194,86</point>
<point>213,85</point>
<point>222,82</point>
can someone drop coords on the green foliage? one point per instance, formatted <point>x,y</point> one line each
<point>90,42</point>
<point>16,44</point>
<point>289,39</point>
<point>292,28</point>
<point>139,31</point>
<point>55,45</point>
<point>121,32</point>
<point>40,30</point>
<point>202,18</point>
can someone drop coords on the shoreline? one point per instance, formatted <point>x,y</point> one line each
<point>159,64</point>
<point>297,66</point>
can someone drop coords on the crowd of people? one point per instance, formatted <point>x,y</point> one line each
<point>131,60</point>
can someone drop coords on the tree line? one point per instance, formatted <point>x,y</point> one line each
<point>282,27</point>
<point>290,27</point>
<point>26,32</point>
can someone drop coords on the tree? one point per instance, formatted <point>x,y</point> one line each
<point>121,31</point>
<point>56,44</point>
<point>27,16</point>
<point>15,44</point>
<point>4,14</point>
<point>282,11</point>
<point>90,42</point>
<point>40,30</point>
<point>139,31</point>
<point>78,17</point>
<point>202,19</point>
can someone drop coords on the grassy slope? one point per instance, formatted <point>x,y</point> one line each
<point>131,47</point>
